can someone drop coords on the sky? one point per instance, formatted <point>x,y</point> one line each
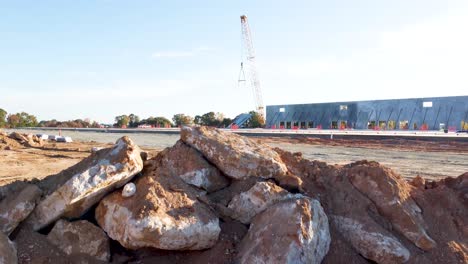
<point>97,59</point>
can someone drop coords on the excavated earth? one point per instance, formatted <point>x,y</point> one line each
<point>217,197</point>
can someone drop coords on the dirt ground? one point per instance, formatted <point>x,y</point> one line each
<point>408,157</point>
<point>18,162</point>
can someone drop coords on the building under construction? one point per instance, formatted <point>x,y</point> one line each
<point>436,113</point>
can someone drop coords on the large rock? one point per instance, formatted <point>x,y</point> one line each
<point>164,213</point>
<point>190,165</point>
<point>7,251</point>
<point>17,206</point>
<point>238,157</point>
<point>292,231</point>
<point>99,176</point>
<point>80,237</point>
<point>28,140</point>
<point>258,198</point>
<point>391,195</point>
<point>372,245</point>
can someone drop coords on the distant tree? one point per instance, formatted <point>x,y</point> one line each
<point>256,120</point>
<point>13,120</point>
<point>226,122</point>
<point>3,116</point>
<point>182,120</point>
<point>197,120</point>
<point>122,120</point>
<point>134,120</point>
<point>156,121</point>
<point>22,119</point>
<point>209,119</point>
<point>77,123</point>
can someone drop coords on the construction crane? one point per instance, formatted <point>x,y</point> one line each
<point>249,65</point>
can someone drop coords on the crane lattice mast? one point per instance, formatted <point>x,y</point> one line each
<point>250,66</point>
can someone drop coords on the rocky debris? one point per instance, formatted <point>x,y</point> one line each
<point>184,209</point>
<point>293,231</point>
<point>8,143</point>
<point>129,189</point>
<point>28,140</point>
<point>442,215</point>
<point>236,156</point>
<point>80,237</point>
<point>17,206</point>
<point>164,213</point>
<point>7,251</point>
<point>258,198</point>
<point>375,246</point>
<point>391,195</point>
<point>100,176</point>
<point>187,163</point>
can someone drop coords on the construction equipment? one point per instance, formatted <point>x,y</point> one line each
<point>252,74</point>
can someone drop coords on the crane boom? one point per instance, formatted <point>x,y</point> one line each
<point>251,68</point>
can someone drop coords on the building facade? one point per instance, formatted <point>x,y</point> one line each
<point>436,113</point>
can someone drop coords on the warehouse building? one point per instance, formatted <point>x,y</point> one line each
<point>436,113</point>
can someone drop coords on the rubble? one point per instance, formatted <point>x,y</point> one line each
<point>188,164</point>
<point>16,207</point>
<point>236,156</point>
<point>216,197</point>
<point>293,231</point>
<point>258,198</point>
<point>100,176</point>
<point>80,237</point>
<point>164,213</point>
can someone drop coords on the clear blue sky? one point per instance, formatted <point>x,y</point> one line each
<point>101,58</point>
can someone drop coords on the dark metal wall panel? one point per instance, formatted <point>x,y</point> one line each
<point>448,110</point>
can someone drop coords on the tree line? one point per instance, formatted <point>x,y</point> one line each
<point>24,119</point>
<point>208,119</point>
<point>214,119</point>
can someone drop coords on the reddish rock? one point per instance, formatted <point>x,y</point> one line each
<point>80,237</point>
<point>258,198</point>
<point>292,231</point>
<point>391,195</point>
<point>376,246</point>
<point>17,206</point>
<point>164,213</point>
<point>108,170</point>
<point>189,164</point>
<point>236,156</point>
<point>445,212</point>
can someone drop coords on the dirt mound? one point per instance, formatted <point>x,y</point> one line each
<point>368,213</point>
<point>430,220</point>
<point>8,143</point>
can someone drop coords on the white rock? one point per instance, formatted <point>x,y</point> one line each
<point>114,168</point>
<point>15,208</point>
<point>262,195</point>
<point>129,189</point>
<point>292,231</point>
<point>164,213</point>
<point>372,245</point>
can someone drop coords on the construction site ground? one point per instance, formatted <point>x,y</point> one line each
<point>428,159</point>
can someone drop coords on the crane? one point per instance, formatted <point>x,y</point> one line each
<point>252,74</point>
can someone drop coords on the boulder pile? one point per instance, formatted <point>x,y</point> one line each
<point>217,197</point>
